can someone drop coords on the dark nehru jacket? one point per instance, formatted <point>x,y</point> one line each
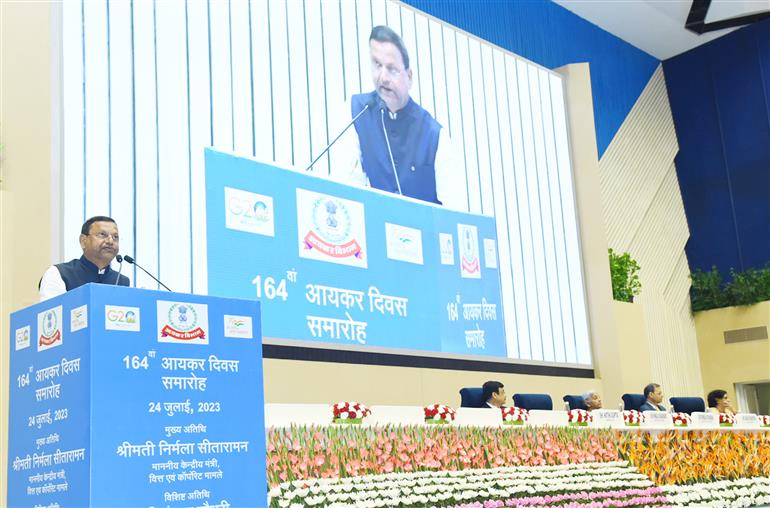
<point>81,271</point>
<point>413,136</point>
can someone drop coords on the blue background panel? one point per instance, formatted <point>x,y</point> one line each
<point>237,258</point>
<point>719,101</point>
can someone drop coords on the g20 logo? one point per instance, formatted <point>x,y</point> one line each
<point>120,316</point>
<point>256,210</point>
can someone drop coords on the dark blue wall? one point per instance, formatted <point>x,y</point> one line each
<point>552,36</point>
<point>719,100</point>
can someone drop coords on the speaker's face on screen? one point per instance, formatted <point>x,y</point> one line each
<point>391,80</point>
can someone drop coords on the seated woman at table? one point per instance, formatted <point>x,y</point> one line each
<point>592,400</point>
<point>719,402</point>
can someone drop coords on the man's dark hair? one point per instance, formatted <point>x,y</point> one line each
<point>383,33</point>
<point>98,218</point>
<point>715,395</point>
<point>488,388</point>
<point>649,389</point>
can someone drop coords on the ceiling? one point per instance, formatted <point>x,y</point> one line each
<point>658,26</point>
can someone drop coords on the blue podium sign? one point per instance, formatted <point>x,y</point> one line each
<point>129,397</point>
<point>334,264</point>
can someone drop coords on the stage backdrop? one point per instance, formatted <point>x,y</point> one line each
<point>148,84</point>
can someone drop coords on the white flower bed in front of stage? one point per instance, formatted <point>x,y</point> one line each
<point>724,493</point>
<point>449,487</point>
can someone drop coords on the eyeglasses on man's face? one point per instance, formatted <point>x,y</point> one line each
<point>104,236</point>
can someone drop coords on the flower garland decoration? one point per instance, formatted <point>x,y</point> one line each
<point>681,419</point>
<point>579,417</point>
<point>514,415</point>
<point>350,412</point>
<point>764,420</point>
<point>726,420</point>
<point>632,418</point>
<point>439,414</point>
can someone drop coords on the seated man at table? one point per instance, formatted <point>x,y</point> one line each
<point>719,402</point>
<point>493,394</point>
<point>654,396</point>
<point>592,400</point>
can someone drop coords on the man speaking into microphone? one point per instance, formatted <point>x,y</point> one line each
<point>399,146</point>
<point>100,242</point>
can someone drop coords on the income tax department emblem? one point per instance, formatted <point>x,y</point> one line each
<point>49,329</point>
<point>331,229</point>
<point>183,322</point>
<point>331,233</point>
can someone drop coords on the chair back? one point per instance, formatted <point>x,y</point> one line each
<point>633,401</point>
<point>687,405</point>
<point>471,397</point>
<point>574,401</point>
<point>531,401</point>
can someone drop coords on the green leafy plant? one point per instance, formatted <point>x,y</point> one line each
<point>709,291</point>
<point>624,271</point>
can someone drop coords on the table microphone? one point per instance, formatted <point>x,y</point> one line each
<point>131,260</point>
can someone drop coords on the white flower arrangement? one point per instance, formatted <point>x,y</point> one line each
<point>633,418</point>
<point>681,419</point>
<point>349,412</point>
<point>726,420</point>
<point>579,417</point>
<point>514,415</point>
<point>723,493</point>
<point>439,413</point>
<point>443,487</point>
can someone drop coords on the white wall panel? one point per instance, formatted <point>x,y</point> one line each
<point>262,89</point>
<point>335,106</point>
<point>200,133</point>
<point>173,155</point>
<point>300,114</point>
<point>316,85</point>
<point>645,216</point>
<point>240,50</point>
<point>221,74</point>
<point>95,82</point>
<point>121,125</point>
<point>160,80</point>
<point>146,139</point>
<point>73,128</point>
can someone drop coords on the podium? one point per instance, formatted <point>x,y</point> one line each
<point>130,397</point>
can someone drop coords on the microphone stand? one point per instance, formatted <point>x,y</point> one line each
<point>131,260</point>
<point>366,107</point>
<point>390,153</point>
<point>119,259</point>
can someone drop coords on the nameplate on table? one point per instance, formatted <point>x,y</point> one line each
<point>607,418</point>
<point>746,421</point>
<point>705,420</point>
<point>657,419</point>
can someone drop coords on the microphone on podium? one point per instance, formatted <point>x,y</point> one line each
<point>130,260</point>
<point>119,259</point>
<point>369,105</point>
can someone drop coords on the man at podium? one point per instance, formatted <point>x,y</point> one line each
<point>99,240</point>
